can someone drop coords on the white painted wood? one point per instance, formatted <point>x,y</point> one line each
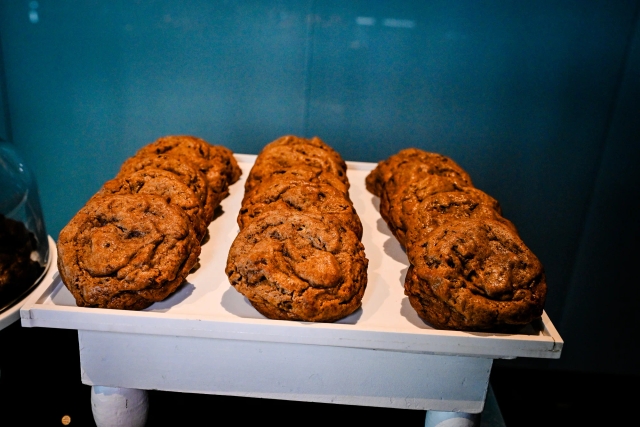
<point>208,307</point>
<point>451,419</point>
<point>12,314</point>
<point>119,407</point>
<point>343,375</point>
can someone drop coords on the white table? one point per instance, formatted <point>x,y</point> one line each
<point>206,338</point>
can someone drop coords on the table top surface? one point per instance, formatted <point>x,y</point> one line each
<point>207,306</point>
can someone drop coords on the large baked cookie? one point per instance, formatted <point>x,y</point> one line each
<point>159,182</point>
<point>215,161</point>
<point>294,267</point>
<point>126,251</point>
<point>292,140</point>
<point>411,164</point>
<point>476,275</point>
<point>428,214</point>
<point>181,166</point>
<point>283,157</point>
<point>297,173</point>
<point>318,200</point>
<point>391,204</point>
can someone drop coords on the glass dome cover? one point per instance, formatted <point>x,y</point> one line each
<point>24,247</point>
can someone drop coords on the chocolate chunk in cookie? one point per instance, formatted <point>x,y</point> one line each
<point>391,205</point>
<point>291,140</point>
<point>421,219</point>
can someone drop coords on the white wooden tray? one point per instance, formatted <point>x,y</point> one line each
<point>206,306</point>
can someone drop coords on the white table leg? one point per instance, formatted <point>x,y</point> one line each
<point>451,419</point>
<point>119,407</point>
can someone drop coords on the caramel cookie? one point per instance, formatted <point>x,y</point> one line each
<point>476,275</point>
<point>126,251</point>
<point>165,184</point>
<point>294,267</point>
<point>318,200</point>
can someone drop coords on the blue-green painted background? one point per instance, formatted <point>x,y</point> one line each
<point>538,101</point>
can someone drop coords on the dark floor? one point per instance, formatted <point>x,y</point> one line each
<point>40,383</point>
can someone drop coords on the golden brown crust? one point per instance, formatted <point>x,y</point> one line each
<point>215,161</point>
<point>318,200</point>
<point>183,168</point>
<point>294,267</point>
<point>126,251</point>
<point>476,275</point>
<point>282,157</point>
<point>165,184</point>
<point>298,255</point>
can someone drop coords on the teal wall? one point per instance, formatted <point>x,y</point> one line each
<point>535,100</point>
<point>601,309</point>
<point>4,107</point>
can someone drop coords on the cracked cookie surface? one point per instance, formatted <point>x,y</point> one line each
<point>317,200</point>
<point>283,157</point>
<point>410,164</point>
<point>126,251</point>
<point>181,166</point>
<point>422,216</point>
<point>292,140</point>
<point>215,161</point>
<point>294,267</point>
<point>476,275</point>
<point>158,182</point>
<point>296,173</point>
